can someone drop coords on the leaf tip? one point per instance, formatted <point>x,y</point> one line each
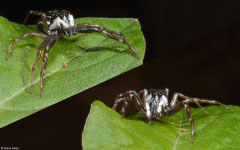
<point>98,103</point>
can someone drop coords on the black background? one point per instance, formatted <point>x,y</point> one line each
<point>192,47</point>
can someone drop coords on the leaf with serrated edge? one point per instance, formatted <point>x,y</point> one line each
<point>90,59</point>
<point>105,129</point>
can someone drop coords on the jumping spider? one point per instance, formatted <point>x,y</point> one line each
<point>53,24</point>
<point>154,104</point>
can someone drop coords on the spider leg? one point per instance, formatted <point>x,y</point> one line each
<point>119,99</point>
<point>43,44</point>
<point>190,118</point>
<point>51,41</point>
<point>167,91</point>
<point>202,108</point>
<point>89,28</point>
<point>125,104</point>
<point>33,34</point>
<point>213,102</point>
<point>143,94</point>
<point>175,100</point>
<point>176,108</point>
<point>126,97</point>
<point>43,18</point>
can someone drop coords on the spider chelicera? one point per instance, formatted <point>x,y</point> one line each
<point>53,24</point>
<point>154,104</point>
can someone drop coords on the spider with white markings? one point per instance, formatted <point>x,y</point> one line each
<point>53,24</point>
<point>154,104</point>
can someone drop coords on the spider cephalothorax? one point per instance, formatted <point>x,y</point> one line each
<point>55,23</point>
<point>154,104</point>
<point>57,20</point>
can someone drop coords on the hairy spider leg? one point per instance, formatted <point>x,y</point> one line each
<point>206,101</point>
<point>190,118</point>
<point>134,96</point>
<point>33,34</point>
<point>43,17</point>
<point>174,101</point>
<point>121,97</point>
<point>43,45</point>
<point>126,97</point>
<point>202,108</point>
<point>125,104</point>
<point>51,41</point>
<point>143,94</point>
<point>89,28</point>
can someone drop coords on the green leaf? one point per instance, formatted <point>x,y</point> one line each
<point>91,59</point>
<point>106,129</point>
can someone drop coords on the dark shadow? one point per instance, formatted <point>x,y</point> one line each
<point>33,46</point>
<point>95,49</point>
<point>64,38</point>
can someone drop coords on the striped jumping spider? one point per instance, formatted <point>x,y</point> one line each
<point>154,104</point>
<point>53,24</point>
